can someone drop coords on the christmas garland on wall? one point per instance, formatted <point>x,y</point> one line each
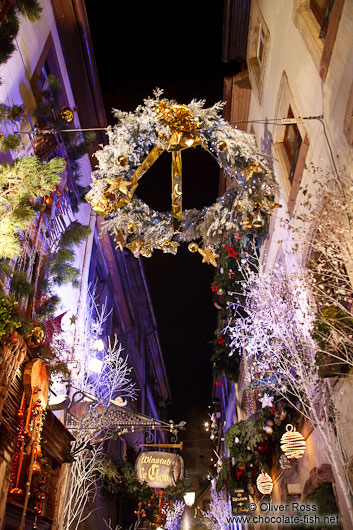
<point>164,125</point>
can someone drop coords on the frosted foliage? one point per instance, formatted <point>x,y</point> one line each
<point>219,512</point>
<point>114,380</point>
<point>173,515</point>
<point>137,132</point>
<point>272,324</point>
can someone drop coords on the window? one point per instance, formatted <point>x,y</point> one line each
<point>318,21</point>
<point>261,44</point>
<point>348,119</point>
<point>48,63</point>
<point>321,10</point>
<point>292,142</point>
<point>258,44</point>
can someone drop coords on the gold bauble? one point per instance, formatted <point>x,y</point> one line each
<point>193,246</point>
<point>292,443</point>
<point>36,469</point>
<point>67,114</point>
<point>36,337</point>
<point>131,227</point>
<point>264,483</point>
<point>122,161</point>
<point>221,146</point>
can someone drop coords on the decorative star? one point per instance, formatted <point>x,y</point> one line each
<point>232,253</point>
<point>221,341</point>
<point>119,184</point>
<point>214,288</point>
<point>119,238</point>
<point>266,400</point>
<point>209,256</point>
<point>218,382</point>
<point>73,319</point>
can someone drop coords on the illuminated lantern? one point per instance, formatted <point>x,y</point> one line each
<point>292,443</point>
<point>264,483</point>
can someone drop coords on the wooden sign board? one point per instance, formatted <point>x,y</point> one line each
<point>240,501</point>
<point>159,469</point>
<point>35,377</point>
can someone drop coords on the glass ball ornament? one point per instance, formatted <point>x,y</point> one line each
<point>122,161</point>
<point>193,246</point>
<point>36,337</point>
<point>222,146</point>
<point>131,228</point>
<point>66,114</point>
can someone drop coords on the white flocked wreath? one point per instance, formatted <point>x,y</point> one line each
<point>143,229</point>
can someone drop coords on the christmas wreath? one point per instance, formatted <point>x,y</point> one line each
<point>137,141</point>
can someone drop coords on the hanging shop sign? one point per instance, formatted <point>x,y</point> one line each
<point>159,469</point>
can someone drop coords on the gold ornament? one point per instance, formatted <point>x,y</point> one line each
<point>221,146</point>
<point>66,114</point>
<point>176,191</point>
<point>258,220</point>
<point>135,247</point>
<point>119,238</point>
<point>36,469</point>
<point>36,337</point>
<point>122,161</point>
<point>264,483</point>
<point>146,251</point>
<point>193,246</point>
<point>209,256</point>
<point>131,228</point>
<point>169,246</point>
<point>178,117</point>
<point>251,169</point>
<point>293,443</point>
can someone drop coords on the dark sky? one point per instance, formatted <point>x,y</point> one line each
<point>175,46</point>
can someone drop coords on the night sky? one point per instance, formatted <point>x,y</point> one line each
<point>177,47</point>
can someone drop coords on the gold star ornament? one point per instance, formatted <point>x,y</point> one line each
<point>209,256</point>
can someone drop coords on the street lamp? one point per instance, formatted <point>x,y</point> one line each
<point>189,498</point>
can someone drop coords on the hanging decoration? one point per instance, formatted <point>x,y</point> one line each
<point>266,400</point>
<point>264,483</point>
<point>293,443</point>
<point>35,382</point>
<point>67,114</point>
<point>36,337</point>
<point>137,142</point>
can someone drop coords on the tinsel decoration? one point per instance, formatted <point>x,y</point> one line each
<point>139,139</point>
<point>293,443</point>
<point>264,483</point>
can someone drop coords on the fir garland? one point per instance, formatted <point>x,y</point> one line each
<point>155,125</point>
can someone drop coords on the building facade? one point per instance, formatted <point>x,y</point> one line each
<point>296,97</point>
<point>58,46</point>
